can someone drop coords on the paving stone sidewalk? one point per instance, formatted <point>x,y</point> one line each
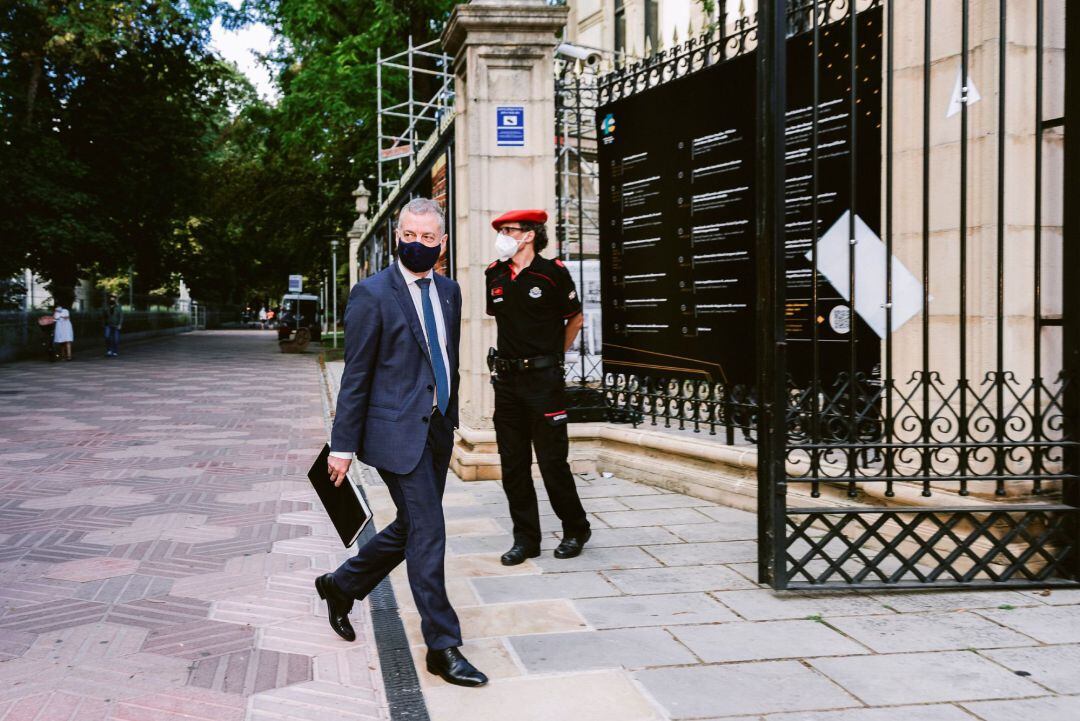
<point>661,618</point>
<point>158,540</point>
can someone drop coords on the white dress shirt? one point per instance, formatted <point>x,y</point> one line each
<point>440,326</point>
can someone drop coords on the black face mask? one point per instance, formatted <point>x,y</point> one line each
<point>417,257</point>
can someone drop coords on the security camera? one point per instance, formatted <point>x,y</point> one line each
<point>577,52</point>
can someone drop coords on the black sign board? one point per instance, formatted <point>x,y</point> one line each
<point>678,223</point>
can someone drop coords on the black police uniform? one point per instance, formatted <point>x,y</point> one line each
<point>531,309</point>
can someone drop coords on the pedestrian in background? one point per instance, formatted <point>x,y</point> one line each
<point>64,332</point>
<point>262,318</point>
<point>113,316</point>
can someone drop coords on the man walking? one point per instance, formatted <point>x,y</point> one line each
<point>538,314</point>
<point>396,411</point>
<point>113,315</point>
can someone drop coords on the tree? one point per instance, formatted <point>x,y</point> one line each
<point>127,143</point>
<point>107,109</point>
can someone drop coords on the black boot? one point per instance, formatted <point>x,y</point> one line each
<point>573,545</point>
<point>338,606</point>
<point>517,554</point>
<point>452,667</point>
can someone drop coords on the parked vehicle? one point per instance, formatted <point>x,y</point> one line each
<point>299,322</point>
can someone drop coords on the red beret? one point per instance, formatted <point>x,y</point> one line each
<point>527,216</point>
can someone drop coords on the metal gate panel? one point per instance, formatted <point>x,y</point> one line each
<point>915,415</point>
<point>955,464</point>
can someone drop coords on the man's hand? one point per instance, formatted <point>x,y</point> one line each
<point>339,467</point>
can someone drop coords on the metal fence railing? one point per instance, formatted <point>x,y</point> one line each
<point>22,337</point>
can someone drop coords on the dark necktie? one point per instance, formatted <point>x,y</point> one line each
<point>442,388</point>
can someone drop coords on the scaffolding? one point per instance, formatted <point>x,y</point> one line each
<point>404,126</point>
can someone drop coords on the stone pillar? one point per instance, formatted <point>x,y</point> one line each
<point>503,57</point>
<point>356,233</point>
<point>942,262</point>
<point>983,132</point>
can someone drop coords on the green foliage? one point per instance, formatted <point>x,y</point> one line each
<point>125,143</point>
<point>107,108</point>
<point>284,174</point>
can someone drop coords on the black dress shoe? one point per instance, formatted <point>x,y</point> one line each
<point>573,545</point>
<point>338,605</point>
<point>517,554</point>
<point>452,667</point>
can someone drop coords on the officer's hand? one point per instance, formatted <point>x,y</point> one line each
<point>339,468</point>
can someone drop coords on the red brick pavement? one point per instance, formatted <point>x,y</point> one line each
<point>158,540</point>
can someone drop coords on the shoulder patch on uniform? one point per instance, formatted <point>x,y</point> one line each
<point>493,264</point>
<point>559,263</point>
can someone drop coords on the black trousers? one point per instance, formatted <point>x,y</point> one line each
<point>417,536</point>
<point>526,405</point>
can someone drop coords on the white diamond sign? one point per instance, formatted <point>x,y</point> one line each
<point>870,273</point>
<point>957,99</point>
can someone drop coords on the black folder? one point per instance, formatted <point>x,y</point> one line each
<point>345,505</point>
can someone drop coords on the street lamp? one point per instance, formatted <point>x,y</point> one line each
<point>333,283</point>
<point>358,230</point>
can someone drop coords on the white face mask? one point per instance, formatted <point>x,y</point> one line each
<point>505,246</point>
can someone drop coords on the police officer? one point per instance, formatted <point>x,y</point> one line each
<point>538,314</point>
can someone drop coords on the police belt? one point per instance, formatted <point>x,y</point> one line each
<point>520,365</point>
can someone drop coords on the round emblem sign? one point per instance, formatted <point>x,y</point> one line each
<point>840,319</point>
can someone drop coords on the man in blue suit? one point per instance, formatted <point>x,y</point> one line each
<point>396,410</point>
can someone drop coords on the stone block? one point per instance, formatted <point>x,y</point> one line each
<point>1056,667</point>
<point>609,537</point>
<point>696,554</point>
<point>768,605</point>
<point>655,610</point>
<point>917,601</point>
<point>928,632</point>
<point>657,517</point>
<point>597,696</point>
<point>507,619</point>
<point>725,531</point>
<point>924,678</point>
<point>663,500</point>
<point>1055,596</point>
<point>743,688</point>
<point>1049,624</point>
<point>683,579</point>
<point>532,588</point>
<point>462,545</point>
<point>936,712</point>
<point>628,648</point>
<point>599,559</point>
<point>1060,708</point>
<point>762,641</point>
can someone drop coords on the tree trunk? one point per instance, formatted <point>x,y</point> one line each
<point>32,91</point>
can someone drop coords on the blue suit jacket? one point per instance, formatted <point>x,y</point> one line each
<point>384,402</point>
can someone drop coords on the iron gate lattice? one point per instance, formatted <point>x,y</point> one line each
<point>912,398</point>
<point>955,461</point>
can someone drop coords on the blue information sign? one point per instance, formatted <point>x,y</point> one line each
<point>510,126</point>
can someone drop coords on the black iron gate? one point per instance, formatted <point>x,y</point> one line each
<point>886,214</point>
<point>954,460</point>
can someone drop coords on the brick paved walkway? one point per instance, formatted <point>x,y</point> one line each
<point>158,543</point>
